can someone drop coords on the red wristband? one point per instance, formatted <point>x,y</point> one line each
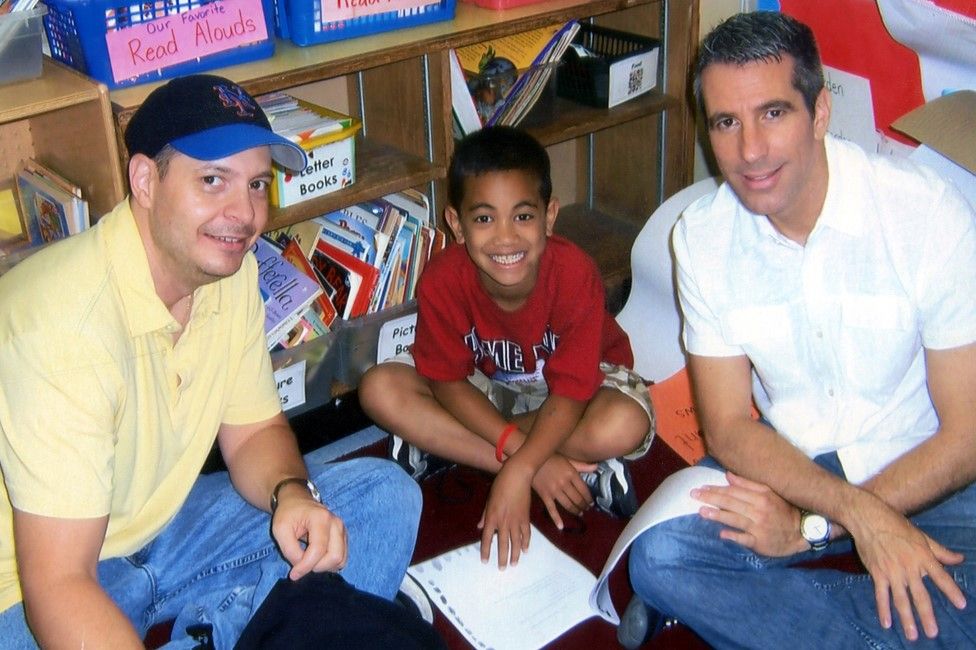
<point>502,439</point>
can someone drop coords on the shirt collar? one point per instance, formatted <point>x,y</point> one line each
<point>841,206</point>
<point>143,310</point>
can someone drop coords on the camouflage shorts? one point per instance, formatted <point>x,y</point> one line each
<point>513,399</point>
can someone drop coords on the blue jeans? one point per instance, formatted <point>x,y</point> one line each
<point>216,561</point>
<point>734,598</point>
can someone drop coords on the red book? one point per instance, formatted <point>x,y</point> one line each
<point>353,279</point>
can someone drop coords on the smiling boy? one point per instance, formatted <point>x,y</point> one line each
<point>517,368</point>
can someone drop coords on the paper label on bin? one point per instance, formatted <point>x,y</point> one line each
<point>395,337</point>
<point>291,385</point>
<point>177,38</point>
<point>333,10</point>
<point>633,76</point>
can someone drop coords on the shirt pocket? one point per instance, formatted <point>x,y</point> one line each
<point>879,340</point>
<point>767,335</point>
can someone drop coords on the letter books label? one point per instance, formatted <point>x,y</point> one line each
<point>330,167</point>
<point>177,38</point>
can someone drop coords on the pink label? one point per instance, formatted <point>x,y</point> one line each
<point>333,10</point>
<point>215,27</point>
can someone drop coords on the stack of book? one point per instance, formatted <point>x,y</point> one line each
<point>50,206</point>
<point>499,81</point>
<point>348,263</point>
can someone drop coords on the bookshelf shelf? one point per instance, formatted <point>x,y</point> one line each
<point>64,120</point>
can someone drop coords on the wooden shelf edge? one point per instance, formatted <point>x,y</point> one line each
<point>566,120</point>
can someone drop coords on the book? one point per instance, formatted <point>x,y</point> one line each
<point>462,102</point>
<point>323,308</point>
<point>44,209</point>
<point>286,291</point>
<point>353,279</point>
<point>77,211</point>
<point>505,76</point>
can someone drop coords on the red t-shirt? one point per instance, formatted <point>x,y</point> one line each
<point>561,333</point>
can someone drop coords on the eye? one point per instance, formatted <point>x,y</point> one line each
<point>775,113</point>
<point>212,180</point>
<point>481,218</point>
<point>724,124</point>
<point>260,185</point>
<point>524,216</point>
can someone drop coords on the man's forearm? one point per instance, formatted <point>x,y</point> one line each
<point>77,613</point>
<point>262,460</point>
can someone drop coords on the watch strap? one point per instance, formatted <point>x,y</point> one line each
<point>312,490</point>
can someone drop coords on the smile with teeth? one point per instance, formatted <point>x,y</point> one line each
<point>511,258</point>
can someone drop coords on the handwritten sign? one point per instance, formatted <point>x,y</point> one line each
<point>677,421</point>
<point>333,10</point>
<point>178,38</point>
<point>395,337</point>
<point>291,385</point>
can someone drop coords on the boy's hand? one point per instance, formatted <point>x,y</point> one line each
<point>507,513</point>
<point>558,481</point>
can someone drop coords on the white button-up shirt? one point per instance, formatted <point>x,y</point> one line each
<point>835,329</point>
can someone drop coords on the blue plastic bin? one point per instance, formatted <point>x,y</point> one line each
<point>76,31</point>
<point>301,21</point>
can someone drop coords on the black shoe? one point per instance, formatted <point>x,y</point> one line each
<point>414,599</point>
<point>612,488</point>
<point>414,461</point>
<point>640,624</point>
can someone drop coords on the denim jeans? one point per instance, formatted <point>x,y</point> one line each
<point>216,561</point>
<point>734,598</point>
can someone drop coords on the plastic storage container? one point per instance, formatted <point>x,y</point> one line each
<point>305,23</point>
<point>126,44</point>
<point>20,44</point>
<point>616,66</point>
<point>502,4</point>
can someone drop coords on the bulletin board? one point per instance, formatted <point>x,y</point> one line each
<point>852,37</point>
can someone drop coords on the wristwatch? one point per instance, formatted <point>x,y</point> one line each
<point>815,529</point>
<point>314,491</point>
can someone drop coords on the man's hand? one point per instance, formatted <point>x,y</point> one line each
<point>309,536</point>
<point>507,513</point>
<point>756,517</point>
<point>898,556</point>
<point>558,481</point>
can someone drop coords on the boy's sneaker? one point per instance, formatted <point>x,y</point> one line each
<point>412,596</point>
<point>612,488</point>
<point>414,461</point>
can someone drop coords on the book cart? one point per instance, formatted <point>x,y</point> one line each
<point>622,162</point>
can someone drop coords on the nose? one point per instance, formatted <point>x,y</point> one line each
<point>752,142</point>
<point>242,206</point>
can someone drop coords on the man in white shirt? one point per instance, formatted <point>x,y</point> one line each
<point>836,290</point>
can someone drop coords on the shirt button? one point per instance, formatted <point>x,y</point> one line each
<point>830,391</point>
<point>819,334</point>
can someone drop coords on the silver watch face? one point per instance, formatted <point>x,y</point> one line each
<point>814,527</point>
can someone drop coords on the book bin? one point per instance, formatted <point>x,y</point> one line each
<point>127,44</point>
<point>20,44</point>
<point>308,22</point>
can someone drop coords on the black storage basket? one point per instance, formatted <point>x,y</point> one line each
<point>587,79</point>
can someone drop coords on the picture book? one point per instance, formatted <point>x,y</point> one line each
<point>322,307</point>
<point>354,279</point>
<point>76,208</point>
<point>44,209</point>
<point>505,76</point>
<point>287,292</point>
<point>357,219</point>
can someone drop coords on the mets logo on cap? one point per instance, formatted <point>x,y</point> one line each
<point>235,97</point>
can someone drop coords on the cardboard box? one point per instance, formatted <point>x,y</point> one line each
<point>331,163</point>
<point>946,124</point>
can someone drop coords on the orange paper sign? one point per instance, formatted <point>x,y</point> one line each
<point>677,422</point>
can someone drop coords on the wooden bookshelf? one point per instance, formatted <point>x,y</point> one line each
<point>64,120</point>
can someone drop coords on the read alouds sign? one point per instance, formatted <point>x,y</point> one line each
<point>177,38</point>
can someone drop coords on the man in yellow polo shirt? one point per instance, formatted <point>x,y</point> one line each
<point>125,351</point>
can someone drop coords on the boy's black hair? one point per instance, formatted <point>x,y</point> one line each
<point>764,36</point>
<point>497,149</point>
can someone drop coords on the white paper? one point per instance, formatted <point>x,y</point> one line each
<point>291,385</point>
<point>671,499</point>
<point>944,40</point>
<point>962,177</point>
<point>523,607</point>
<point>851,108</point>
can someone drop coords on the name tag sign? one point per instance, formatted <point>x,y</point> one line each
<point>178,38</point>
<point>395,337</point>
<point>291,385</point>
<point>333,10</point>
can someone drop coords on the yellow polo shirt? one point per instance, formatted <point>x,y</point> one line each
<point>99,412</point>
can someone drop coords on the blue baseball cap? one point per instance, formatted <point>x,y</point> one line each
<point>206,117</point>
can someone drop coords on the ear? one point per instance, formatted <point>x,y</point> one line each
<point>142,179</point>
<point>821,113</point>
<point>454,223</point>
<point>552,211</point>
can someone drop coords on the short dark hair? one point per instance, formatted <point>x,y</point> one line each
<point>764,36</point>
<point>497,149</point>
